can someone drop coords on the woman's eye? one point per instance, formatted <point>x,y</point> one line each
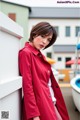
<point>49,40</point>
<point>42,36</point>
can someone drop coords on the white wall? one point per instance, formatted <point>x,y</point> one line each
<point>61,64</point>
<point>10,81</point>
<point>8,51</point>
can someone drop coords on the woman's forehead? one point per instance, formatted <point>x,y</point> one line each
<point>49,34</point>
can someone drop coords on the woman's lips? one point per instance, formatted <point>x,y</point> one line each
<point>42,46</point>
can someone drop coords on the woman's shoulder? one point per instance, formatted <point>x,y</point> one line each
<point>25,51</point>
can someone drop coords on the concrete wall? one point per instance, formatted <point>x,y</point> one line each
<point>10,81</point>
<point>21,12</point>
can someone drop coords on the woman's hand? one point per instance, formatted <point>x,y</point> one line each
<point>36,118</point>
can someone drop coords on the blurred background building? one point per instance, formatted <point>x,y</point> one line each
<point>18,13</point>
<point>67,24</point>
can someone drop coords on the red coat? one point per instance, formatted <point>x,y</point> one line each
<point>36,72</point>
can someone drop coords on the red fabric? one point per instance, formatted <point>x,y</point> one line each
<point>57,113</point>
<point>36,72</point>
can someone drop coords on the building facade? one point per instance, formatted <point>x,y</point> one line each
<point>18,13</point>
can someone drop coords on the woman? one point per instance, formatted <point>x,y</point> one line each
<point>42,96</point>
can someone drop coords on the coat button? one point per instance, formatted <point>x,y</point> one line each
<point>40,55</point>
<point>57,87</point>
<point>48,71</point>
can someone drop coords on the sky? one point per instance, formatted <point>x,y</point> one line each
<point>48,3</point>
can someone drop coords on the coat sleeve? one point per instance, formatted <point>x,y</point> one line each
<point>60,104</point>
<point>29,97</point>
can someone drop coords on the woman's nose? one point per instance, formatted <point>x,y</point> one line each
<point>44,41</point>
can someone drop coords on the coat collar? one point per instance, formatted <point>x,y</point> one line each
<point>34,50</point>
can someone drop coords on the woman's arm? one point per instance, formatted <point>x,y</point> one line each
<point>29,97</point>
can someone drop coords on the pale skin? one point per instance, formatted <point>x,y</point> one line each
<point>40,42</point>
<point>36,118</point>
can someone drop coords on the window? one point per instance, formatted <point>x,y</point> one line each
<point>67,59</point>
<point>12,16</point>
<point>57,30</point>
<point>77,29</point>
<point>49,54</point>
<point>67,31</point>
<point>59,59</point>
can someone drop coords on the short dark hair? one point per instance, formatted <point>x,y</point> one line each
<point>43,28</point>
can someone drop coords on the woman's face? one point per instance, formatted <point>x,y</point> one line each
<point>41,41</point>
